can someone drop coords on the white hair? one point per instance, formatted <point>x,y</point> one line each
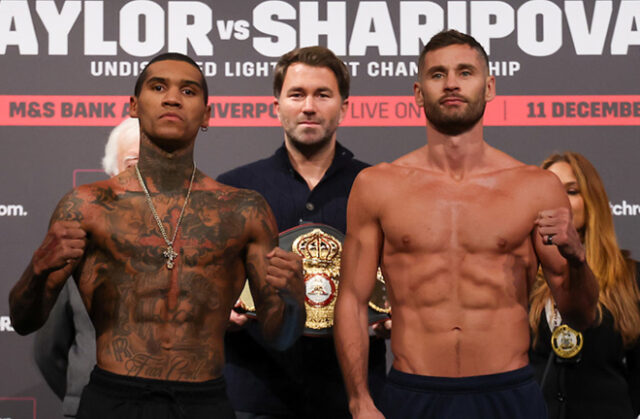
<point>127,128</point>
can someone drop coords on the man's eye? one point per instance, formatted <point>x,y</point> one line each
<point>466,73</point>
<point>188,92</point>
<point>437,75</point>
<point>158,87</point>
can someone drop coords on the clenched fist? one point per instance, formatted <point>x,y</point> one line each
<point>284,273</point>
<point>555,226</point>
<point>61,248</point>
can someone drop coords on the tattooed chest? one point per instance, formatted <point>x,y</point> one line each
<point>172,299</point>
<point>206,235</point>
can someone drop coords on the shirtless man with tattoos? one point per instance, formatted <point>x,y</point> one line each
<point>160,254</point>
<point>459,229</point>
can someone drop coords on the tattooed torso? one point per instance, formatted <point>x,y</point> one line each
<point>152,321</point>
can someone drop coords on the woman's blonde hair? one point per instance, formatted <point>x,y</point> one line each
<point>612,267</point>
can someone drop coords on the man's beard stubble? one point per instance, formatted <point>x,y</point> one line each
<point>455,124</point>
<point>309,149</point>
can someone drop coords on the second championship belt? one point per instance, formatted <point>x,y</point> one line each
<point>320,246</point>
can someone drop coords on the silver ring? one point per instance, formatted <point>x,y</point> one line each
<point>549,239</point>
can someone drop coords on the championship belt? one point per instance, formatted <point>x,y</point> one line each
<point>321,248</point>
<point>566,342</point>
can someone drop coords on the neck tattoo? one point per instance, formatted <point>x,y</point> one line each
<point>168,253</point>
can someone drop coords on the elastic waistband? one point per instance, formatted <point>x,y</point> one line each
<point>136,387</point>
<point>477,383</point>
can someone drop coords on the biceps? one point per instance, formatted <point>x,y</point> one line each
<point>360,260</point>
<point>68,209</point>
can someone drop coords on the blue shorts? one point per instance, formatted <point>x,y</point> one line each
<point>509,395</point>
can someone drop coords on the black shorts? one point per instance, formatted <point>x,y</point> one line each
<point>113,396</point>
<point>509,395</point>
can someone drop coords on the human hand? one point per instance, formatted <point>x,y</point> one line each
<point>237,321</point>
<point>284,273</point>
<point>61,249</point>
<point>382,329</point>
<point>555,227</point>
<point>366,411</point>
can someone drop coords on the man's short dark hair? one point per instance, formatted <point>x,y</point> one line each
<point>316,57</point>
<point>172,56</point>
<point>447,38</point>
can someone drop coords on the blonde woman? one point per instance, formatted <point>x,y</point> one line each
<point>596,373</point>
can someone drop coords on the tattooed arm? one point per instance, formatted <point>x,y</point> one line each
<point>33,296</point>
<point>275,279</point>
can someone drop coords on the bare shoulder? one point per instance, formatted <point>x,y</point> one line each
<point>383,173</point>
<point>373,187</point>
<point>251,207</point>
<point>536,178</point>
<point>242,198</point>
<point>497,160</point>
<point>378,177</point>
<point>233,202</point>
<point>542,188</point>
<point>525,174</point>
<point>79,203</point>
<point>547,188</point>
<point>413,159</point>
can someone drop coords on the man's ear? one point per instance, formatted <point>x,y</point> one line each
<point>276,107</point>
<point>133,106</point>
<point>490,90</point>
<point>417,95</point>
<point>343,110</point>
<point>207,117</point>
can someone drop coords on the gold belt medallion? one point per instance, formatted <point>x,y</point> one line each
<point>566,342</point>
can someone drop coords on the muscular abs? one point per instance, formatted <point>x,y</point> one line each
<point>152,321</point>
<point>458,257</point>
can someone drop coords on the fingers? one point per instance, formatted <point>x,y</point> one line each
<point>68,230</point>
<point>383,329</point>
<point>278,279</point>
<point>554,226</point>
<point>554,213</point>
<point>291,263</point>
<point>283,267</point>
<point>553,218</point>
<point>63,245</point>
<point>278,253</point>
<point>71,249</point>
<point>284,271</point>
<point>69,234</point>
<point>237,320</point>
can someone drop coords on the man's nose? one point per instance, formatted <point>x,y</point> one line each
<point>309,105</point>
<point>451,82</point>
<point>172,97</point>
